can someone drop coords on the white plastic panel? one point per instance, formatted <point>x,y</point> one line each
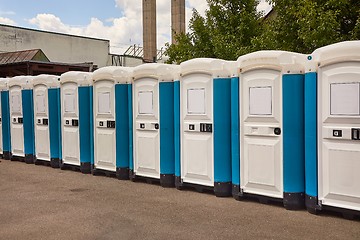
<point>146,136</point>
<point>196,101</point>
<point>261,162</point>
<point>260,100</point>
<point>42,135</point>
<point>70,134</point>
<point>345,99</point>
<point>197,150</point>
<point>1,141</point>
<point>16,128</point>
<point>104,136</point>
<point>338,155</point>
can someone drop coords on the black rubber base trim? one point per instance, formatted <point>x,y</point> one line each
<point>29,158</point>
<point>236,193</point>
<point>136,178</point>
<point>96,172</point>
<point>263,199</point>
<point>167,180</point>
<point>17,158</point>
<point>6,155</point>
<point>345,213</point>
<point>312,205</point>
<point>42,162</point>
<point>132,175</point>
<point>122,173</point>
<point>222,189</point>
<point>294,201</point>
<point>55,162</point>
<point>199,188</point>
<point>64,166</point>
<point>85,167</point>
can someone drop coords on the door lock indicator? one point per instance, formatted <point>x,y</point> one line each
<point>46,121</point>
<point>156,126</point>
<point>110,124</point>
<point>355,134</point>
<point>205,127</point>
<point>20,120</point>
<point>75,122</point>
<point>277,131</point>
<point>337,133</point>
<point>191,127</point>
<point>142,125</point>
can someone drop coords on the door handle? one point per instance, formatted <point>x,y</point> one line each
<point>156,126</point>
<point>75,122</point>
<point>277,131</point>
<point>45,121</point>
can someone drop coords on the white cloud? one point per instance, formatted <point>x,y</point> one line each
<point>7,21</point>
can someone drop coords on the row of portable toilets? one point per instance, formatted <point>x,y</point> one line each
<point>274,125</point>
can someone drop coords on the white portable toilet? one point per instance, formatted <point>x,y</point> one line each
<point>5,141</point>
<point>204,155</point>
<point>76,121</point>
<point>112,95</point>
<point>153,123</point>
<point>22,118</point>
<point>47,118</point>
<point>271,108</point>
<point>332,132</point>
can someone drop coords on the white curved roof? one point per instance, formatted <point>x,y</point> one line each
<point>4,84</point>
<point>342,51</point>
<point>81,78</point>
<point>281,60</point>
<point>116,73</point>
<point>212,66</point>
<point>48,80</point>
<point>22,81</point>
<point>160,71</point>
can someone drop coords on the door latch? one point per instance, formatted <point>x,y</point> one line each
<point>20,120</point>
<point>110,124</point>
<point>75,122</point>
<point>277,131</point>
<point>205,127</point>
<point>142,125</point>
<point>46,121</point>
<point>156,126</point>
<point>355,133</point>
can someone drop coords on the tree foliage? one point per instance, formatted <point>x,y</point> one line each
<point>232,28</point>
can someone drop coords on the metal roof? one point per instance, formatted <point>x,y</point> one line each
<point>23,56</point>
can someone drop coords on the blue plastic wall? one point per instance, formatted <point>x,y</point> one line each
<point>122,125</point>
<point>293,133</point>
<point>167,145</point>
<point>54,122</point>
<point>222,129</point>
<point>177,148</point>
<point>28,119</point>
<point>85,95</point>
<point>235,131</point>
<point>130,109</point>
<point>311,187</point>
<point>5,114</point>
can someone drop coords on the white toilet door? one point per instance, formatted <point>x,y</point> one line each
<point>105,136</point>
<point>70,123</point>
<point>16,116</point>
<point>197,152</point>
<point>41,121</point>
<point>261,161</point>
<point>146,126</point>
<point>338,135</point>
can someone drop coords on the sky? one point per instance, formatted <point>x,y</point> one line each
<point>120,21</point>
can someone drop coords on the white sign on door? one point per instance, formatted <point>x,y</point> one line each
<point>260,99</point>
<point>146,105</point>
<point>69,99</point>
<point>40,103</point>
<point>104,102</point>
<point>196,101</point>
<point>345,99</point>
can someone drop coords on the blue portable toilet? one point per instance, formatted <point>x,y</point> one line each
<point>268,158</point>
<point>112,111</point>
<point>203,132</point>
<point>47,119</point>
<point>332,129</point>
<point>76,121</point>
<point>5,144</point>
<point>22,118</point>
<point>153,123</point>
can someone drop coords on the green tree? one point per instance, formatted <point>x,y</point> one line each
<point>225,32</point>
<point>304,25</point>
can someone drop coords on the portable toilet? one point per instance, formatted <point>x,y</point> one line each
<point>204,155</point>
<point>153,123</point>
<point>5,141</point>
<point>112,108</point>
<point>46,93</point>
<point>271,144</point>
<point>332,126</point>
<point>22,118</point>
<point>76,121</point>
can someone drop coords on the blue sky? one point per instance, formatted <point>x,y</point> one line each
<point>119,21</point>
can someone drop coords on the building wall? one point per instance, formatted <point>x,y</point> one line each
<point>57,47</point>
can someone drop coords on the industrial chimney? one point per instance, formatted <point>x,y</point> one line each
<point>177,18</point>
<point>149,30</point>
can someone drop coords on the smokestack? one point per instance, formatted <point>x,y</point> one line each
<point>177,18</point>
<point>149,30</point>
